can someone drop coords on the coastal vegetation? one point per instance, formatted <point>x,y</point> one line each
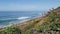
<point>11,30</point>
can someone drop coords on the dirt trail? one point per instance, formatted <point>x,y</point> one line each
<point>41,22</point>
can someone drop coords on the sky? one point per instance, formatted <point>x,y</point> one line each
<point>28,5</point>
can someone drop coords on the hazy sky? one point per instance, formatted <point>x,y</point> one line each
<point>28,5</point>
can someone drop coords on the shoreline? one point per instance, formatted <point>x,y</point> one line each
<point>22,22</point>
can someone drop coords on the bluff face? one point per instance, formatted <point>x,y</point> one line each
<point>48,24</point>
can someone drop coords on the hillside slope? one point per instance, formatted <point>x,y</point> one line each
<point>49,24</point>
<point>52,24</point>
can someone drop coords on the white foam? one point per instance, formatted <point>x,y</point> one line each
<point>23,17</point>
<point>3,26</point>
<point>11,23</point>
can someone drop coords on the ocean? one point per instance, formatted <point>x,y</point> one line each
<point>7,18</point>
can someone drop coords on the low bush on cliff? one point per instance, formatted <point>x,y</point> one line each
<point>12,30</point>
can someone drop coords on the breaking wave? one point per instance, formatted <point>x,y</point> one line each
<point>12,21</point>
<point>23,17</point>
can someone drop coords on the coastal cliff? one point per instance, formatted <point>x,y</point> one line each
<point>47,24</point>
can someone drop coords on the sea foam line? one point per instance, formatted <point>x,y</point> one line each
<point>23,17</point>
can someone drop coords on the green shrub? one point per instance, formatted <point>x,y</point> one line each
<point>12,30</point>
<point>43,28</point>
<point>27,32</point>
<point>55,27</point>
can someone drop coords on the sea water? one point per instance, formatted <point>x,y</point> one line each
<point>8,18</point>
